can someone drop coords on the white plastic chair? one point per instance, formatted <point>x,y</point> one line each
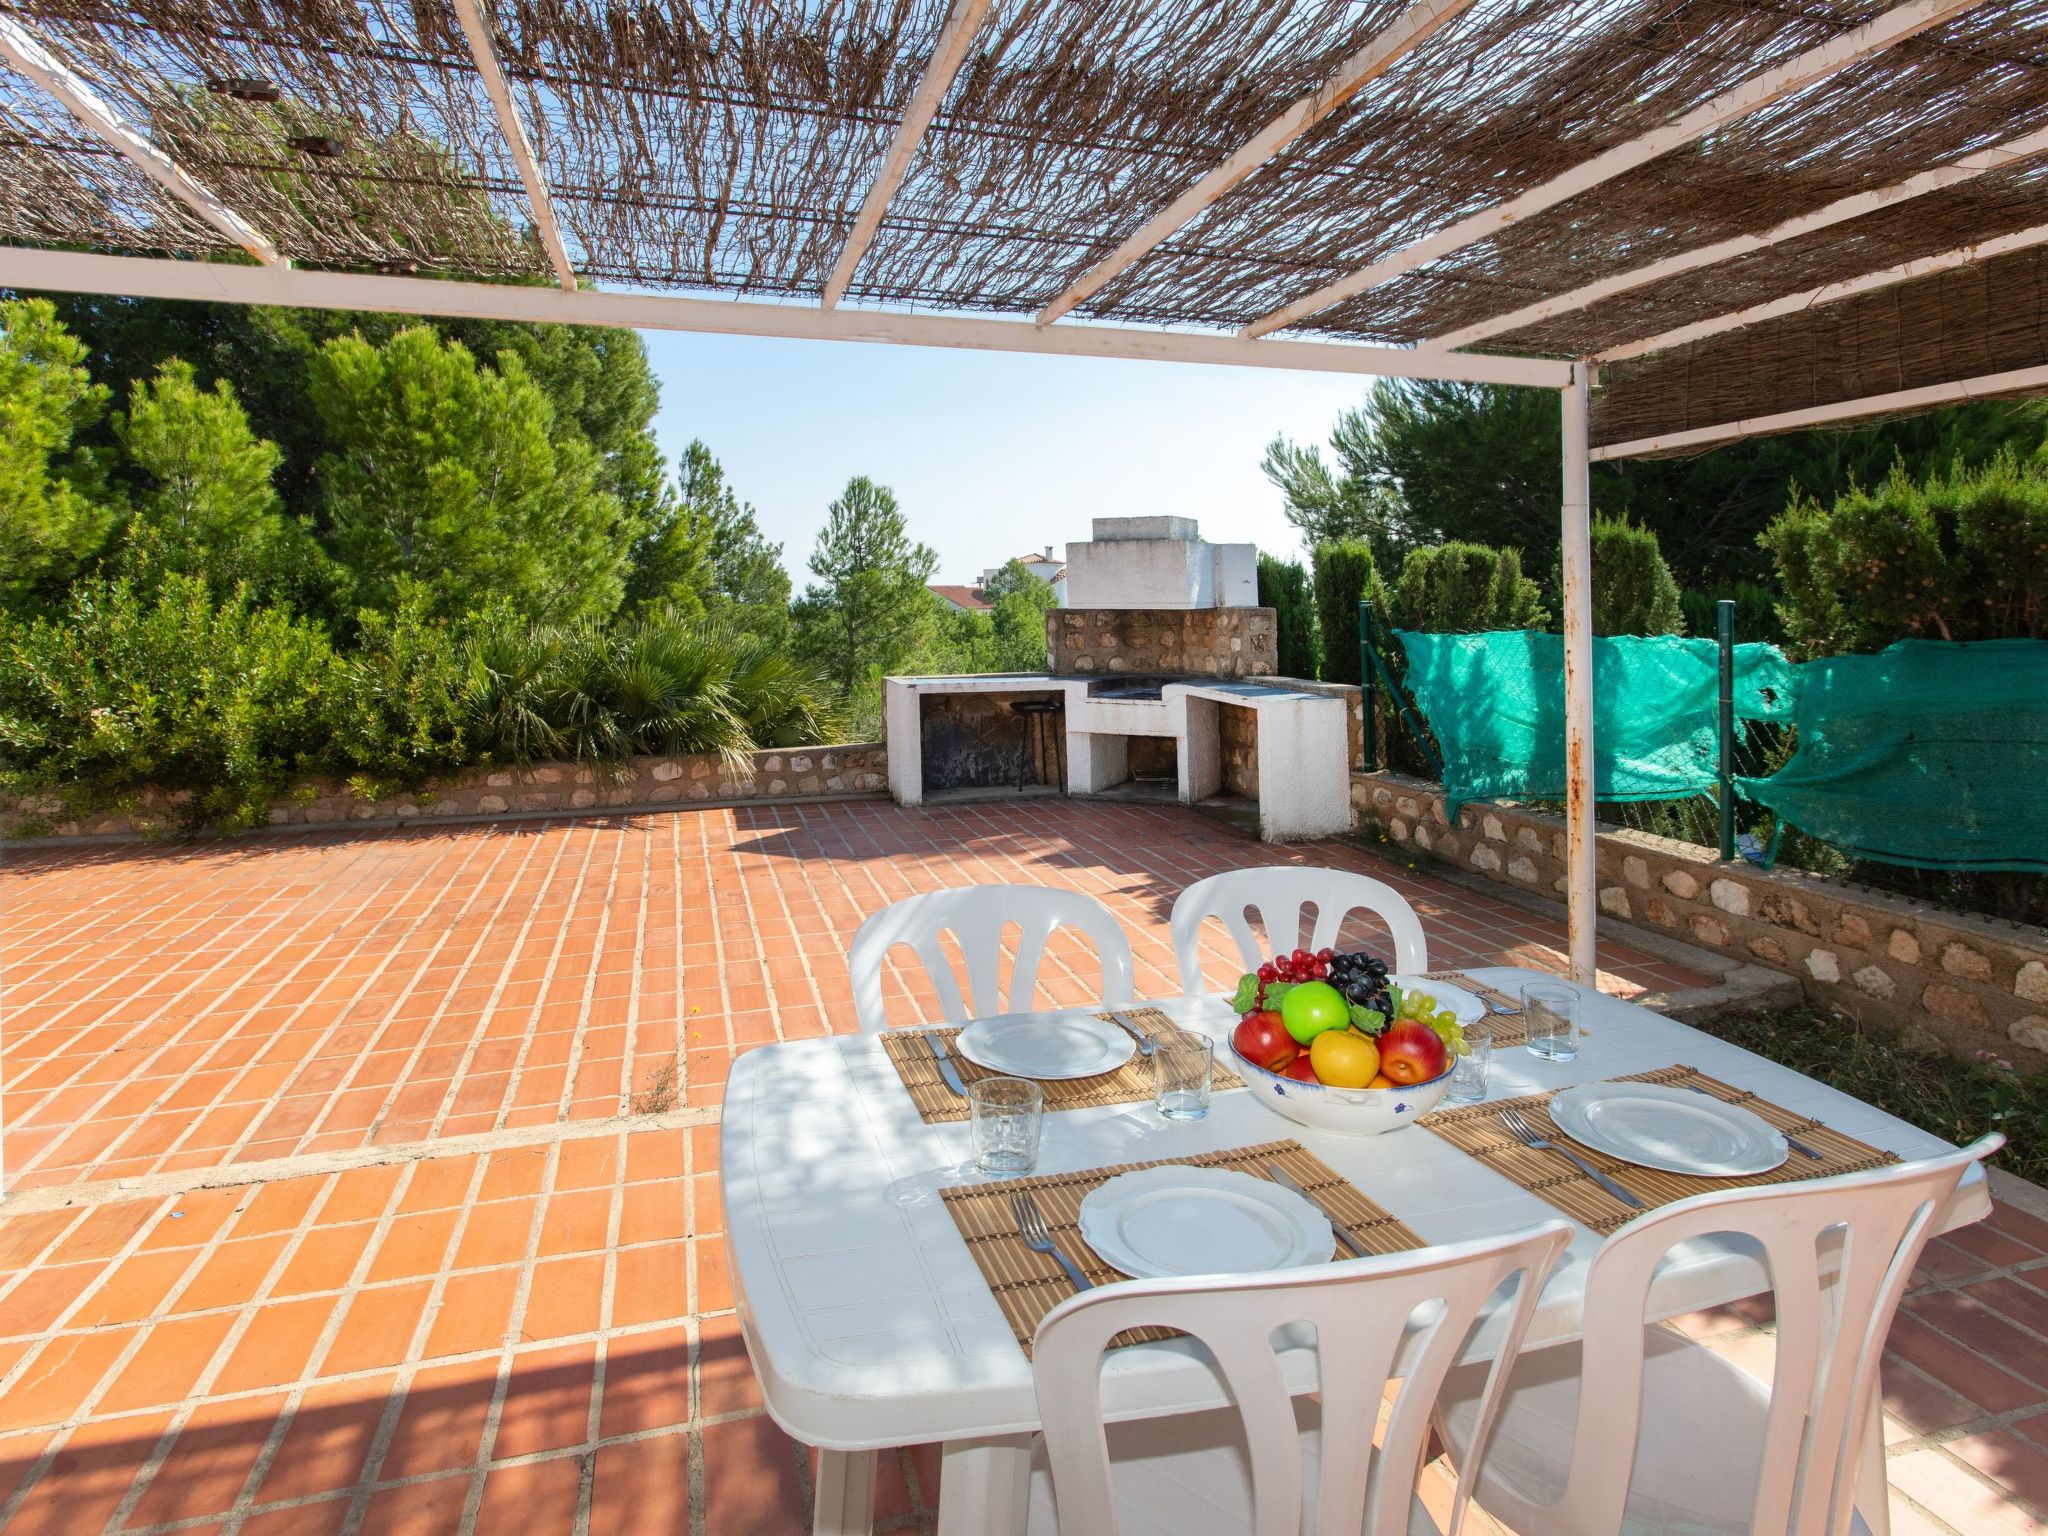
<point>1258,1465</point>
<point>1278,895</point>
<point>976,916</point>
<point>1719,1451</point>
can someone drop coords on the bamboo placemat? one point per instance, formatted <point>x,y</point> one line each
<point>1503,1013</point>
<point>1028,1285</point>
<point>1130,1083</point>
<point>1477,1129</point>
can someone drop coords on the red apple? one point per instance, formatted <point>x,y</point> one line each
<point>1302,1070</point>
<point>1412,1053</point>
<point>1262,1040</point>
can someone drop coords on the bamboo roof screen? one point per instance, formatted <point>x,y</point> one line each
<point>730,147</point>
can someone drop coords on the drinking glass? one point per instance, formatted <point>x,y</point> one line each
<point>1551,1011</point>
<point>1468,1073</point>
<point>1007,1112</point>
<point>1182,1063</point>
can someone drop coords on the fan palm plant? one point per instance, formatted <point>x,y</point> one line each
<point>662,684</point>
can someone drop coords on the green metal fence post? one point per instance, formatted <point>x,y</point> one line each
<point>1724,628</point>
<point>1368,686</point>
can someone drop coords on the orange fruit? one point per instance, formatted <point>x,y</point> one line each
<point>1343,1058</point>
<point>1382,1081</point>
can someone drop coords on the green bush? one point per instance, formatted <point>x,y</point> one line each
<point>1756,611</point>
<point>1962,556</point>
<point>398,706</point>
<point>1284,588</point>
<point>1344,573</point>
<point>1634,592</point>
<point>125,689</point>
<point>1461,588</point>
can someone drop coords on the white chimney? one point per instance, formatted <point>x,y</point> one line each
<point>1159,562</point>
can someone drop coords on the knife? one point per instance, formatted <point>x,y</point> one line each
<point>937,1047</point>
<point>1146,1044</point>
<point>1790,1140</point>
<point>1287,1180</point>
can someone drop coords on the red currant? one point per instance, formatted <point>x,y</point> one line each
<point>1301,958</point>
<point>1326,955</point>
<point>1267,973</point>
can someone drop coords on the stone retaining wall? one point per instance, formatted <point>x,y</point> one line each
<point>1966,984</point>
<point>858,768</point>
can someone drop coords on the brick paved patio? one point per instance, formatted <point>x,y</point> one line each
<point>367,1182</point>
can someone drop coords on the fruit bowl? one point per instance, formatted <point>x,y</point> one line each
<point>1347,1111</point>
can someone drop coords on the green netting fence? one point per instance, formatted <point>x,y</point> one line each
<point>1929,754</point>
<point>1922,769</point>
<point>1495,703</point>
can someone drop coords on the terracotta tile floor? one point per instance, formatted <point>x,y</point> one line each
<point>367,1182</point>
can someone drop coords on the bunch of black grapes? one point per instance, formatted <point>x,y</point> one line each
<point>1363,980</point>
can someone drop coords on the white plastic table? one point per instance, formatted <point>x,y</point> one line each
<point>870,1327</point>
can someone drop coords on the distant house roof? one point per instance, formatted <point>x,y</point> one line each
<point>968,598</point>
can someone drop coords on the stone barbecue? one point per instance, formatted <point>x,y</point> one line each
<point>1169,693</point>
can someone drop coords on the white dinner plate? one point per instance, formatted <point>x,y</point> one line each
<point>1066,1045</point>
<point>1465,1005</point>
<point>1161,1222</point>
<point>1673,1129</point>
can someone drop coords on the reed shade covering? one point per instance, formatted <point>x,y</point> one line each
<point>1028,1285</point>
<point>1477,1129</point>
<point>1130,1083</point>
<point>729,147</point>
<point>1968,322</point>
<point>1508,1028</point>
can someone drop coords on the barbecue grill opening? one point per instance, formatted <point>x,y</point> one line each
<point>1130,687</point>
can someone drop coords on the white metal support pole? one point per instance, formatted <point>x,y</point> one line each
<point>1582,912</point>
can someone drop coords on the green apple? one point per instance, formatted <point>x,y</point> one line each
<point>1312,1008</point>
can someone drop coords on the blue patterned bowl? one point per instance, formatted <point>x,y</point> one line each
<point>1347,1111</point>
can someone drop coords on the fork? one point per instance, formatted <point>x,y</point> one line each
<point>1037,1237</point>
<point>1526,1134</point>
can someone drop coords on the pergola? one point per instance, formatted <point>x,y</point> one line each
<point>1731,216</point>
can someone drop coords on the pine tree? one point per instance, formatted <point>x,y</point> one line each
<point>452,474</point>
<point>207,504</point>
<point>51,519</point>
<point>870,608</point>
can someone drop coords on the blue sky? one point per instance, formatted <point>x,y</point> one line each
<point>989,454</point>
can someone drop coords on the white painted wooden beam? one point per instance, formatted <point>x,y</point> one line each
<point>220,283</point>
<point>1902,402</point>
<point>1395,42</point>
<point>1997,157</point>
<point>26,53</point>
<point>483,47</point>
<point>1829,293</point>
<point>948,54</point>
<point>1752,95</point>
